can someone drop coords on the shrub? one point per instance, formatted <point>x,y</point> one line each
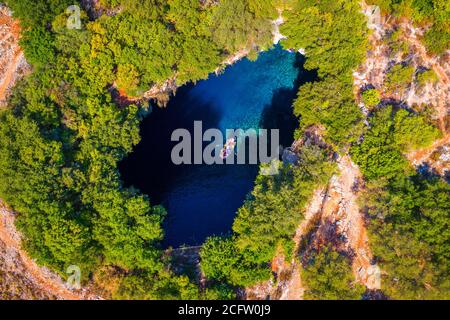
<point>428,76</point>
<point>371,98</point>
<point>328,276</point>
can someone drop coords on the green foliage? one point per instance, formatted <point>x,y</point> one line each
<point>288,247</point>
<point>37,13</point>
<point>128,230</point>
<point>109,3</point>
<point>334,36</point>
<point>267,220</point>
<point>434,12</point>
<point>399,77</point>
<point>412,131</point>
<point>30,165</point>
<point>371,98</point>
<point>127,78</point>
<point>221,260</point>
<point>330,103</point>
<point>219,292</point>
<point>239,24</point>
<point>409,236</point>
<point>38,46</point>
<point>63,137</point>
<point>428,76</point>
<point>408,213</point>
<point>35,17</point>
<point>158,40</point>
<point>273,211</point>
<point>391,133</point>
<point>397,44</point>
<point>164,286</point>
<point>328,276</point>
<point>437,38</point>
<point>333,33</point>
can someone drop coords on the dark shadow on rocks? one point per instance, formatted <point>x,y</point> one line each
<point>427,171</point>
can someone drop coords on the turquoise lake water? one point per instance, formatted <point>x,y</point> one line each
<point>202,200</point>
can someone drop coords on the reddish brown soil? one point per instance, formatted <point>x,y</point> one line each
<point>42,282</point>
<point>11,56</point>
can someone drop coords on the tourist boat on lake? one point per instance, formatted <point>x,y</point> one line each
<point>228,148</point>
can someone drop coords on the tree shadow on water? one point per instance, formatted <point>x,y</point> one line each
<point>279,113</point>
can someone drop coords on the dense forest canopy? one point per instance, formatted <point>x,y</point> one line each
<point>335,45</point>
<point>409,213</point>
<point>63,135</point>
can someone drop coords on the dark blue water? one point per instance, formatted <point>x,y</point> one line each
<point>202,200</point>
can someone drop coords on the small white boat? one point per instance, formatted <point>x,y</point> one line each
<point>228,148</point>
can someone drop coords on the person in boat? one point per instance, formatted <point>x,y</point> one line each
<point>228,148</point>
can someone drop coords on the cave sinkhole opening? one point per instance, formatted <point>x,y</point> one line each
<point>202,200</point>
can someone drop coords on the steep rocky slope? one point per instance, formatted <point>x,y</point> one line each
<point>20,276</point>
<point>12,61</point>
<point>333,215</point>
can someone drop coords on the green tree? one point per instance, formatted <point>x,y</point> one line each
<point>391,133</point>
<point>219,292</point>
<point>276,205</point>
<point>234,27</point>
<point>399,77</point>
<point>221,260</point>
<point>371,98</point>
<point>428,76</point>
<point>328,276</point>
<point>409,237</point>
<point>333,33</point>
<point>330,104</point>
<point>161,286</point>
